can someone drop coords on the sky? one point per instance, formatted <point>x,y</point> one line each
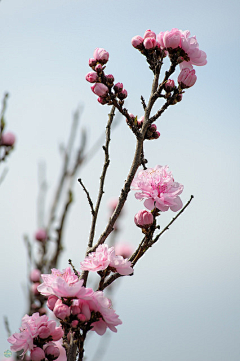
<point>183,301</point>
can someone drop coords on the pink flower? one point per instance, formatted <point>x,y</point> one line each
<point>123,249</point>
<point>191,48</point>
<point>51,302</point>
<point>101,55</point>
<point>41,235</point>
<point>149,43</point>
<point>172,39</point>
<point>187,78</point>
<point>159,188</point>
<point>92,77</point>
<point>62,356</point>
<point>37,354</point>
<point>35,275</point>
<point>100,89</point>
<point>104,257</point>
<point>143,219</point>
<point>61,310</point>
<point>149,34</point>
<point>8,139</point>
<point>52,352</point>
<point>63,284</point>
<point>137,42</point>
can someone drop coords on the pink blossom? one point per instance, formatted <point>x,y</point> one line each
<point>101,55</point>
<point>35,275</point>
<point>51,302</point>
<point>123,249</point>
<point>52,352</point>
<point>172,39</point>
<point>104,257</point>
<point>149,34</point>
<point>187,78</point>
<point>62,356</point>
<point>63,284</point>
<point>159,188</point>
<point>8,139</point>
<point>100,89</point>
<point>34,288</point>
<point>102,100</point>
<point>149,43</point>
<point>61,310</point>
<point>92,77</point>
<point>137,42</point>
<point>169,85</point>
<point>160,40</point>
<point>37,354</point>
<point>143,219</point>
<point>191,48</point>
<point>41,235</point>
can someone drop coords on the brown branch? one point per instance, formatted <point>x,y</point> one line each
<point>88,196</point>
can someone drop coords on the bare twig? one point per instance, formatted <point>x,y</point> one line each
<point>88,196</point>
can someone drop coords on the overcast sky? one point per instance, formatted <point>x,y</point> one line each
<point>183,301</point>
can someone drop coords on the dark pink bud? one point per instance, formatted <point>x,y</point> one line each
<point>140,121</point>
<point>75,310</point>
<point>110,78</point>
<point>52,352</point>
<point>143,219</point>
<point>8,139</point>
<point>92,62</point>
<point>98,68</point>
<point>52,299</point>
<point>118,87</point>
<point>150,43</point>
<point>37,354</point>
<point>153,127</point>
<point>137,42</point>
<point>82,317</point>
<point>100,89</point>
<point>169,85</point>
<point>101,55</point>
<point>35,275</point>
<point>34,288</point>
<point>41,235</point>
<point>61,310</point>
<point>149,34</point>
<point>102,100</point>
<point>122,94</point>
<point>74,323</point>
<point>187,78</point>
<point>156,135</point>
<point>91,77</point>
<point>44,332</point>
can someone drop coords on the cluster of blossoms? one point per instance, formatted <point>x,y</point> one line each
<point>37,334</point>
<point>179,46</point>
<point>104,85</point>
<point>104,258</point>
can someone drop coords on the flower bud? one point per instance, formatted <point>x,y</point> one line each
<point>52,299</point>
<point>156,135</point>
<point>74,323</point>
<point>98,68</point>
<point>169,85</point>
<point>37,354</point>
<point>187,78</point>
<point>100,89</point>
<point>153,127</point>
<point>92,77</point>
<point>52,352</point>
<point>81,317</point>
<point>75,310</point>
<point>34,288</point>
<point>102,100</point>
<point>172,39</point>
<point>101,55</point>
<point>57,334</point>
<point>137,42</point>
<point>8,139</point>
<point>149,34</point>
<point>143,219</point>
<point>92,62</point>
<point>61,310</point>
<point>122,94</point>
<point>118,87</point>
<point>140,121</point>
<point>110,78</point>
<point>35,275</point>
<point>149,43</point>
<point>44,332</point>
<point>41,235</point>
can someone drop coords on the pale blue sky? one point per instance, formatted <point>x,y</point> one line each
<point>183,301</point>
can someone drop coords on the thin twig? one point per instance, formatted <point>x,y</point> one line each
<point>88,196</point>
<point>6,324</point>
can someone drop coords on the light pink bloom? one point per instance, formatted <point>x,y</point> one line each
<point>160,40</point>
<point>149,34</point>
<point>137,42</point>
<point>100,89</point>
<point>187,78</point>
<point>159,188</point>
<point>8,139</point>
<point>35,275</point>
<point>61,310</point>
<point>172,39</point>
<point>41,235</point>
<point>101,55</point>
<point>104,257</point>
<point>191,47</point>
<point>149,43</point>
<point>62,356</point>
<point>37,354</point>
<point>123,249</point>
<point>92,77</point>
<point>63,284</point>
<point>51,301</point>
<point>143,219</point>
